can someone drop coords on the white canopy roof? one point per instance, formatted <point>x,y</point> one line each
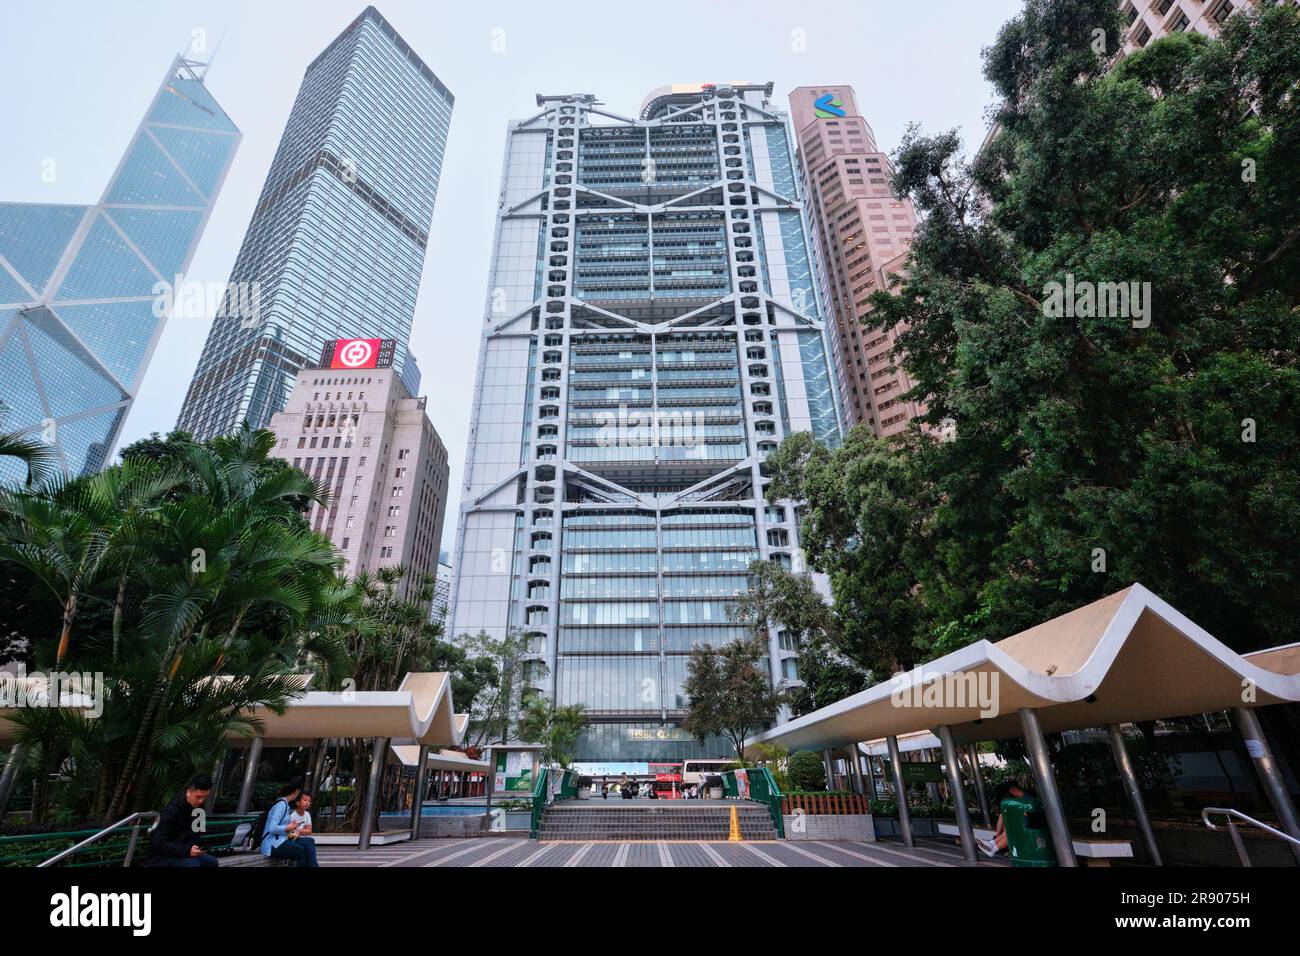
<point>420,711</point>
<point>408,754</point>
<point>1127,657</point>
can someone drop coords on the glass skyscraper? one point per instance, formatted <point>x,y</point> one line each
<point>337,240</point>
<point>652,332</point>
<point>80,304</point>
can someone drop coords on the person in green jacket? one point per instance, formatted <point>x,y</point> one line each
<point>998,844</point>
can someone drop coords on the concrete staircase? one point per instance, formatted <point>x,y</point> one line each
<point>653,820</point>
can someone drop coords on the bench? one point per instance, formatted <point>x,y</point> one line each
<point>250,858</point>
<point>950,829</point>
<point>1092,852</point>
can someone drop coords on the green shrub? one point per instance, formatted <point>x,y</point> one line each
<point>805,771</point>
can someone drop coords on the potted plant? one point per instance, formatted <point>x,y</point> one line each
<point>584,788</point>
<point>713,786</point>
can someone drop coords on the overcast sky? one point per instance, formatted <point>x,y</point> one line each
<point>77,75</point>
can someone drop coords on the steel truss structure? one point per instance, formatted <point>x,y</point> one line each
<point>652,332</point>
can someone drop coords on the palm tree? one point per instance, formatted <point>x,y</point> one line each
<point>235,546</point>
<point>59,532</point>
<point>39,457</point>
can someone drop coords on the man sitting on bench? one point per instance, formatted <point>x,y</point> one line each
<point>174,842</point>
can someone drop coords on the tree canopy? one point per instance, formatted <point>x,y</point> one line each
<point>1066,453</point>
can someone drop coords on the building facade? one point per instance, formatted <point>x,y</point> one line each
<point>85,289</point>
<point>441,592</point>
<point>359,431</point>
<point>861,233</point>
<point>337,240</point>
<point>652,331</point>
<point>1148,20</point>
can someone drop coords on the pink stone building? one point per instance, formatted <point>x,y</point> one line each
<point>862,234</point>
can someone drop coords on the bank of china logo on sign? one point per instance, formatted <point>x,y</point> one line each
<point>355,353</point>
<point>828,106</point>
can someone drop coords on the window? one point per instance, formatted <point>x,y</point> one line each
<point>1143,36</point>
<point>400,473</point>
<point>1222,12</point>
<point>403,453</point>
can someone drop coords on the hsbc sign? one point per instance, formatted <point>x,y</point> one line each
<point>358,353</point>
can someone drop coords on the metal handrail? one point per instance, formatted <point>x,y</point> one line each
<point>133,821</point>
<point>1228,814</point>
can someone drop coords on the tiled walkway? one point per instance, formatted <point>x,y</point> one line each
<point>514,852</point>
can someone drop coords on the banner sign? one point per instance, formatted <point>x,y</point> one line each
<point>358,353</point>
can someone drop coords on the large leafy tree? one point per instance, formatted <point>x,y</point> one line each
<point>1064,456</point>
<point>790,601</point>
<point>556,727</point>
<point>865,525</point>
<point>503,672</point>
<point>728,693</point>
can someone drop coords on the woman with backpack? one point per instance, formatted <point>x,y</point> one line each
<point>280,839</point>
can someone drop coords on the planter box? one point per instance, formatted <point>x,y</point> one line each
<point>510,820</point>
<point>458,826</point>
<point>857,827</point>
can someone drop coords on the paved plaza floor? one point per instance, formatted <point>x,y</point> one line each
<point>521,852</point>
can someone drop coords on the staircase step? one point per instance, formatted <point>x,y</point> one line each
<point>570,820</point>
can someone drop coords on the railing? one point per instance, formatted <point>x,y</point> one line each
<point>540,795</point>
<point>133,821</point>
<point>567,789</point>
<point>759,786</point>
<point>1229,814</point>
<point>568,786</point>
<point>826,803</point>
<point>112,846</point>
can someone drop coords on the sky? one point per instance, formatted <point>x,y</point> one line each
<point>77,75</point>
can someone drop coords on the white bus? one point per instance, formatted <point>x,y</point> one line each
<point>694,771</point>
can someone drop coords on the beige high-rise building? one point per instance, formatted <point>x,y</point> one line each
<point>1148,20</point>
<point>862,234</point>
<point>360,432</point>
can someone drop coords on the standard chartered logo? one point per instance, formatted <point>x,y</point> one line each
<point>828,106</point>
